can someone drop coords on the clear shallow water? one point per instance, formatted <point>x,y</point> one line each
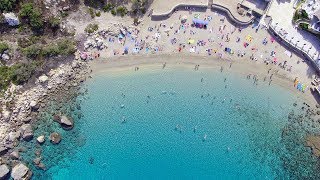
<point>242,124</point>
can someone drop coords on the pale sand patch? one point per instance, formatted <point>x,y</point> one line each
<point>126,64</point>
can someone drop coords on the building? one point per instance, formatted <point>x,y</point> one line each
<point>315,22</point>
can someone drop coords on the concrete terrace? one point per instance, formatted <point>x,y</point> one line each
<point>165,7</point>
<point>281,14</point>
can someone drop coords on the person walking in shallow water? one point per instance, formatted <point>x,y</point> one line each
<point>221,69</point>
<point>164,65</point>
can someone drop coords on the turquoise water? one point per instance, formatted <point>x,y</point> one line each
<point>152,124</point>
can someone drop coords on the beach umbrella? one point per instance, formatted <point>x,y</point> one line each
<point>84,56</point>
<point>190,41</point>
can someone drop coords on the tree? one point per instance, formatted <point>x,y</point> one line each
<point>54,23</point>
<point>32,15</point>
<point>7,5</point>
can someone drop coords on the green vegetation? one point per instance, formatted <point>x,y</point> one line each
<point>54,23</point>
<point>25,42</point>
<point>98,13</point>
<point>113,12</point>
<point>17,74</point>
<point>64,14</point>
<point>300,14</point>
<point>32,15</point>
<point>94,3</point>
<point>7,5</point>
<point>91,12</point>
<point>139,6</point>
<point>3,47</point>
<point>304,26</point>
<point>91,28</point>
<point>108,7</point>
<point>32,51</point>
<point>62,47</point>
<point>122,10</point>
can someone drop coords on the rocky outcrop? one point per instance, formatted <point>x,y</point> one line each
<point>15,155</point>
<point>27,132</point>
<point>66,123</point>
<point>3,150</point>
<point>21,171</point>
<point>34,105</point>
<point>12,136</point>
<point>55,138</point>
<point>25,104</point>
<point>4,171</point>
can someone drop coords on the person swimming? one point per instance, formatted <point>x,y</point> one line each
<point>204,137</point>
<point>124,120</point>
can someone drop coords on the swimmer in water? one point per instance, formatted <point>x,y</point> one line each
<point>123,120</point>
<point>201,79</point>
<point>225,79</point>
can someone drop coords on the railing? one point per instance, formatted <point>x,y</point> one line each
<point>312,58</point>
<point>213,6</point>
<point>169,13</point>
<point>231,16</point>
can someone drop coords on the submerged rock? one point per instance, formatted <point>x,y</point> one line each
<point>55,138</point>
<point>314,143</point>
<point>41,139</point>
<point>21,171</point>
<point>37,161</point>
<point>4,171</point>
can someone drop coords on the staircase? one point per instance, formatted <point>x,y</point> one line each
<point>210,2</point>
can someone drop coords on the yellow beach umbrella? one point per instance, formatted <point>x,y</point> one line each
<point>191,41</point>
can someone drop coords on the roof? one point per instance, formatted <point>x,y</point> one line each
<point>317,14</point>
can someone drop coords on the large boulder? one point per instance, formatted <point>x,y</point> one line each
<point>4,171</point>
<point>21,171</point>
<point>41,139</point>
<point>27,132</point>
<point>43,79</point>
<point>34,105</point>
<point>66,123</point>
<point>11,19</point>
<point>15,155</point>
<point>12,136</point>
<point>55,138</point>
<point>5,57</point>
